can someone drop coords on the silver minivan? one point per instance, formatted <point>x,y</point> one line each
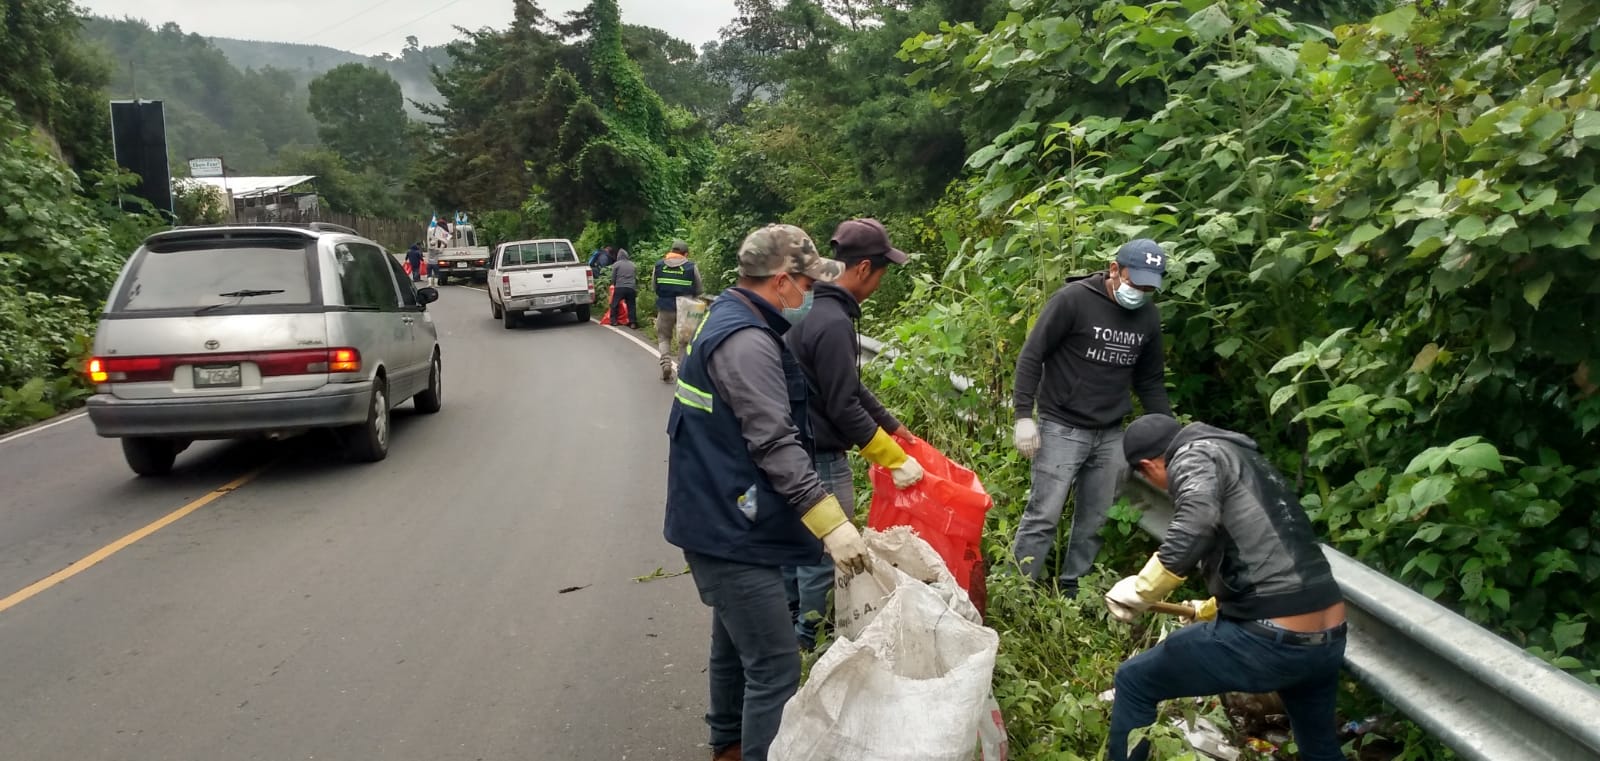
<point>260,331</point>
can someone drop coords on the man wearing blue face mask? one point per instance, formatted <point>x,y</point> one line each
<point>1099,337</point>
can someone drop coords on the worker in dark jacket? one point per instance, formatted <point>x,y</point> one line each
<point>1276,620</point>
<point>743,499</point>
<point>414,259</point>
<point>844,414</point>
<point>675,277</point>
<point>625,289</point>
<point>1099,335</point>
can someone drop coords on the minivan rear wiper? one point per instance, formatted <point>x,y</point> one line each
<point>242,294</point>
<point>247,294</point>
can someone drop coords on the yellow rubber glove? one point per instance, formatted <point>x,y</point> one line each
<point>884,451</point>
<point>839,536</point>
<point>1204,610</point>
<point>1155,582</point>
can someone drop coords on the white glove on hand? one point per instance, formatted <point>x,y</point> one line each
<point>847,548</point>
<point>908,474</point>
<point>1027,437</point>
<point>1124,601</point>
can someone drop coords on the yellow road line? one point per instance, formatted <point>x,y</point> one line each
<point>79,566</point>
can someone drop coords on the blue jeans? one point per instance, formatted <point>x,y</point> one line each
<point>1091,459</point>
<point>808,586</point>
<point>755,666</point>
<point>1221,656</point>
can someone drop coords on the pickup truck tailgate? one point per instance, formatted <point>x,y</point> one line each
<point>538,281</point>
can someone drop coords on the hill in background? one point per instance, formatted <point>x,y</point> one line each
<point>307,62</point>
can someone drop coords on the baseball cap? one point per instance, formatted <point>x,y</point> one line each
<point>1145,262</point>
<point>861,238</point>
<point>776,249</point>
<point>681,246</point>
<point>1148,437</point>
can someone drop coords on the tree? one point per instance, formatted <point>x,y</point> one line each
<point>55,82</point>
<point>362,116</point>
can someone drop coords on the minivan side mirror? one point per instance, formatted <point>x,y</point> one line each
<point>427,295</point>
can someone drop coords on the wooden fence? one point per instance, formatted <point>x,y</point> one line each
<point>393,234</point>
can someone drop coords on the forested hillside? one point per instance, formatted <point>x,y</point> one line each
<point>307,62</point>
<point>213,106</point>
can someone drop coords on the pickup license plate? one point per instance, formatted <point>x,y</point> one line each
<point>217,376</point>
<point>550,301</point>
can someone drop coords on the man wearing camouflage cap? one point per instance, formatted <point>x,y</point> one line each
<point>743,499</point>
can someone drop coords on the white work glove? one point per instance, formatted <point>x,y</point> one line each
<point>1027,437</point>
<point>847,548</point>
<point>908,474</point>
<point>1124,601</point>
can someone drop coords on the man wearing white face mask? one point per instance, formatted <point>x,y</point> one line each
<point>1099,337</point>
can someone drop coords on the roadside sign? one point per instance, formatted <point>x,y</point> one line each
<point>208,167</point>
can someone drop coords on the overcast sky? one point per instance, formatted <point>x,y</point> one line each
<point>381,26</point>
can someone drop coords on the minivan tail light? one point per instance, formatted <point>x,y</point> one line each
<point>269,364</point>
<point>344,361</point>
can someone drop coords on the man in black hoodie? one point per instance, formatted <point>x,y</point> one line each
<point>1275,622</point>
<point>844,414</point>
<point>1098,336</point>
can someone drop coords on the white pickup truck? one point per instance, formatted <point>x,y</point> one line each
<point>533,276</point>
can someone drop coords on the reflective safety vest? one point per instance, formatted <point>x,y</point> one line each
<point>718,502</point>
<point>671,283</point>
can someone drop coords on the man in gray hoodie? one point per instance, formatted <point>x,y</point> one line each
<point>625,282</point>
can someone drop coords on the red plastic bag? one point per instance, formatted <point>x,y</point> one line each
<point>946,508</point>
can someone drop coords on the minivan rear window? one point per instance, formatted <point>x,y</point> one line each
<point>538,252</point>
<point>257,274</point>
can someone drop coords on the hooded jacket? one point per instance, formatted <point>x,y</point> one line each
<point>844,414</point>
<point>624,274</point>
<point>1085,353</point>
<point>1237,520</point>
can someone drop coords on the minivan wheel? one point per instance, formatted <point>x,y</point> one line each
<point>369,441</point>
<point>429,401</point>
<point>150,457</point>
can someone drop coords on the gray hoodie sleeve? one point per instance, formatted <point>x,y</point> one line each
<point>748,372</point>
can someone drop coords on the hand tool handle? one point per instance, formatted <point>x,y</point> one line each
<point>1172,609</point>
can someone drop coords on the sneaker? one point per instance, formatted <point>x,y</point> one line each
<point>666,371</point>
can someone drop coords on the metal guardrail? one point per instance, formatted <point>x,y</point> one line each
<point>1484,697</point>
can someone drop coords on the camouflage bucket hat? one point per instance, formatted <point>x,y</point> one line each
<point>777,249</point>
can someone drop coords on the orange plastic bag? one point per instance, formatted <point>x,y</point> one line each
<point>946,508</point>
<point>605,319</point>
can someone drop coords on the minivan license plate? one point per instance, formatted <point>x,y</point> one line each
<point>217,376</point>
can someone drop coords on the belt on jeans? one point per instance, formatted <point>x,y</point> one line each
<point>1279,634</point>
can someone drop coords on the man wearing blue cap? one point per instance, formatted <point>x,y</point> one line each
<point>1098,337</point>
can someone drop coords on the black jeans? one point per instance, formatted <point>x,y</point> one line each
<point>1221,656</point>
<point>625,296</point>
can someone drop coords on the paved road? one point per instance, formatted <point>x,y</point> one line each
<point>404,610</point>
